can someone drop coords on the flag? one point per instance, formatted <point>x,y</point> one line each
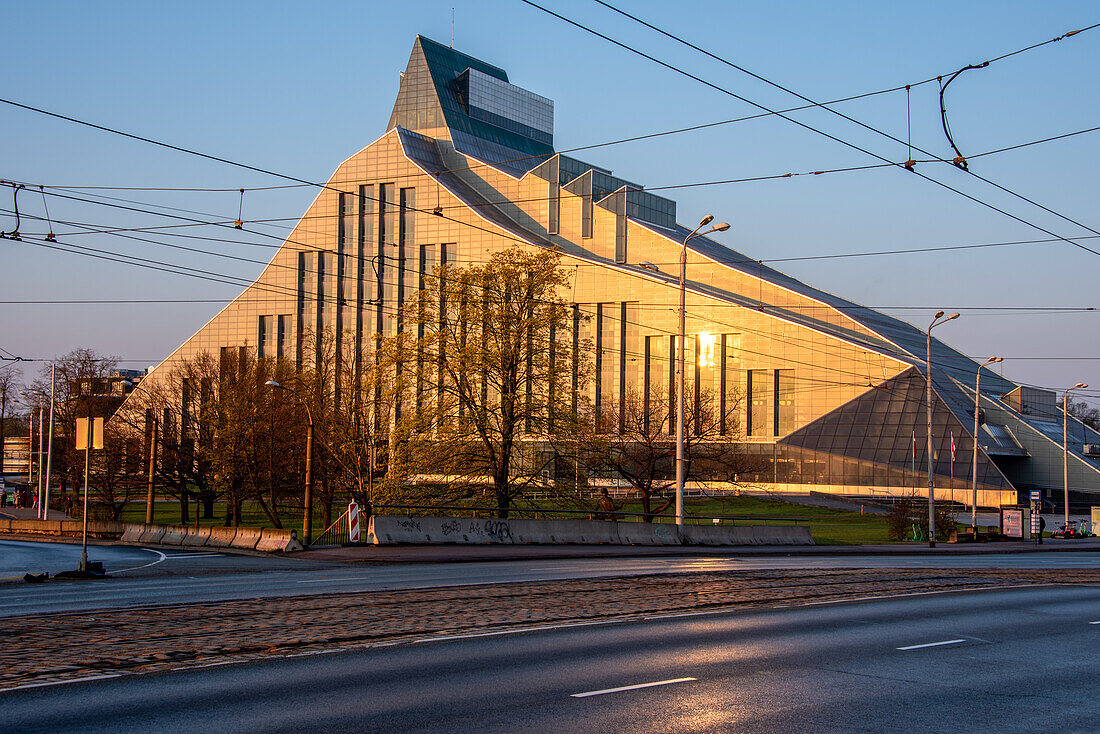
<point>952,448</point>
<point>914,445</point>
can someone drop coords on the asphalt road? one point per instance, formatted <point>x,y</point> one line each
<point>1019,660</point>
<point>18,557</point>
<point>189,577</point>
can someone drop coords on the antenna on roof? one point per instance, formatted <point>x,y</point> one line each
<point>452,26</point>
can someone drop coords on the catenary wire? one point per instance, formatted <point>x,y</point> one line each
<point>811,128</point>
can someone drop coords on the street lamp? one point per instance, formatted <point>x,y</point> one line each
<point>928,379</point>
<point>680,462</point>
<point>307,520</point>
<point>37,395</point>
<point>1065,445</point>
<point>974,474</point>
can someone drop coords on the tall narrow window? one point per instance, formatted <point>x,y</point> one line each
<point>388,257</point>
<point>553,203</point>
<point>344,228</point>
<point>405,262</point>
<point>425,265</point>
<point>784,402</point>
<point>672,366</point>
<point>599,363</point>
<point>759,392</point>
<point>620,388</point>
<point>265,336</point>
<point>280,339</point>
<point>363,273</point>
<point>576,356</point>
<point>647,382</point>
<point>305,301</point>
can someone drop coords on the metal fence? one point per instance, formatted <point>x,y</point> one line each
<point>335,534</point>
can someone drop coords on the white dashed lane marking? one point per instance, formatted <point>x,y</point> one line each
<point>586,694</point>
<point>931,644</point>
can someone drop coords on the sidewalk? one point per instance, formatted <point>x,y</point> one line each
<point>29,513</point>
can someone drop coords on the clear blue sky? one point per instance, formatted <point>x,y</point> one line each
<point>298,87</point>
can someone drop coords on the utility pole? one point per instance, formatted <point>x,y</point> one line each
<point>152,466</point>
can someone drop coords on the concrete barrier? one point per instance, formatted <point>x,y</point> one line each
<point>175,534</point>
<point>221,537</point>
<point>246,538</point>
<point>277,539</point>
<point>646,533</point>
<point>104,529</point>
<point>74,528</point>
<point>132,532</point>
<point>36,527</point>
<point>152,534</point>
<point>197,537</point>
<point>389,530</point>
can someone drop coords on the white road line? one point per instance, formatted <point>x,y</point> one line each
<point>629,688</point>
<point>62,682</point>
<point>325,581</point>
<point>931,644</point>
<point>195,555</point>
<point>153,563</point>
<point>516,631</point>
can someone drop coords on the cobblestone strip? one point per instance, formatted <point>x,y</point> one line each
<point>59,647</point>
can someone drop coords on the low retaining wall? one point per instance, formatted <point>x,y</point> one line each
<point>268,539</point>
<point>390,530</point>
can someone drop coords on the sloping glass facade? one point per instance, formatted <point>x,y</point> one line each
<point>817,392</point>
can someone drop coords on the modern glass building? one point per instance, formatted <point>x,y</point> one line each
<point>826,394</point>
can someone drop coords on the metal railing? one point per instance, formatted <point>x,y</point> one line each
<point>589,514</point>
<point>335,534</point>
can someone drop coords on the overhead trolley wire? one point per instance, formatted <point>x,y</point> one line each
<point>754,75</point>
<point>811,128</point>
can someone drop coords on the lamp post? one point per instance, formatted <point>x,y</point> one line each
<point>974,473</point>
<point>49,443</point>
<point>928,379</point>
<point>681,464</point>
<point>307,519</point>
<point>1065,445</point>
<point>30,445</point>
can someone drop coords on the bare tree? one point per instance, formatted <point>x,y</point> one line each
<point>485,376</point>
<point>1084,412</point>
<point>637,445</point>
<point>83,389</point>
<point>9,387</point>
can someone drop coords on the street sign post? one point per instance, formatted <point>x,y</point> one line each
<point>1037,516</point>
<point>89,435</point>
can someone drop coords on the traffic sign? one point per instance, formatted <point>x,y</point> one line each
<point>353,523</point>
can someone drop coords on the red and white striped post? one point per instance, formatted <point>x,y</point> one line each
<point>353,523</point>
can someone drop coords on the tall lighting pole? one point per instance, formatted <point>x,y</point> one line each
<point>681,464</point>
<point>928,379</point>
<point>307,519</point>
<point>974,473</point>
<point>49,442</point>
<point>1065,445</point>
<point>40,490</point>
